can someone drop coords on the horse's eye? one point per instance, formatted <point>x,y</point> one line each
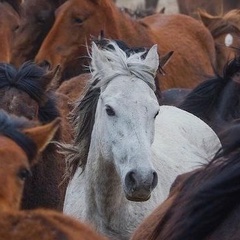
<point>24,173</point>
<point>16,28</point>
<point>110,111</point>
<point>156,114</point>
<point>78,20</point>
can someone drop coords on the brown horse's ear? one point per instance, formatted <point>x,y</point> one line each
<point>208,19</point>
<point>163,61</point>
<point>162,11</point>
<point>42,135</point>
<point>51,80</point>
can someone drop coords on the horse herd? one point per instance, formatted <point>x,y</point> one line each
<point>116,127</point>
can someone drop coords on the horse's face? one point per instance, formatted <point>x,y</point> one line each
<point>14,169</point>
<point>38,18</point>
<point>20,143</point>
<point>226,33</point>
<point>76,21</point>
<point>9,21</point>
<point>19,103</point>
<point>127,132</point>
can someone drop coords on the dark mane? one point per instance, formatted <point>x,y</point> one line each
<point>15,4</point>
<point>28,78</point>
<point>83,117</point>
<point>11,127</point>
<point>206,199</point>
<point>206,96</point>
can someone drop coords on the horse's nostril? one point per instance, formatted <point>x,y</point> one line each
<point>155,180</point>
<point>130,179</point>
<point>45,64</point>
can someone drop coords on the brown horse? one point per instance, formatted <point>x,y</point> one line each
<point>203,204</point>
<point>37,17</point>
<point>225,30</point>
<point>9,22</point>
<point>21,142</point>
<point>24,92</point>
<point>78,20</point>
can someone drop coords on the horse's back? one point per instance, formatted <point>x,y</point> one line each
<point>182,143</point>
<point>187,126</point>
<point>194,51</point>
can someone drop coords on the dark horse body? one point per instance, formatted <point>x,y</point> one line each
<point>217,101</point>
<point>23,92</point>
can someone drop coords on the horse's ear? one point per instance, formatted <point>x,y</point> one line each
<point>152,58</point>
<point>207,19</point>
<point>163,61</point>
<point>98,59</point>
<point>42,135</point>
<point>162,11</point>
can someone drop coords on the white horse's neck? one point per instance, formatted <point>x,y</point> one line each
<point>106,204</point>
<point>99,173</point>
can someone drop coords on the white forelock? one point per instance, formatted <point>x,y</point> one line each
<point>108,63</point>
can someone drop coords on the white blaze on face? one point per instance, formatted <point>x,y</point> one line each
<point>228,40</point>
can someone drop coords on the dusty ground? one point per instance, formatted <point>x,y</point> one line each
<point>170,5</point>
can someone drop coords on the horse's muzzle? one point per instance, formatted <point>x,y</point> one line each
<point>138,186</point>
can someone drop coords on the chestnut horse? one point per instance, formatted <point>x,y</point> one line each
<point>203,204</point>
<point>9,22</point>
<point>78,20</point>
<point>37,17</point>
<point>21,142</point>
<point>24,92</point>
<point>225,30</point>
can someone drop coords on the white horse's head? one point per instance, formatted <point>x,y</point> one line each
<point>125,115</point>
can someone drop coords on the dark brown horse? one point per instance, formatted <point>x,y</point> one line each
<point>217,101</point>
<point>78,20</point>
<point>20,143</point>
<point>24,92</point>
<point>37,17</point>
<point>203,204</point>
<point>9,22</point>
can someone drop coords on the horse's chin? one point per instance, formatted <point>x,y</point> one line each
<point>138,199</point>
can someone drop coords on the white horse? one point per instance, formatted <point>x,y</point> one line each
<point>126,155</point>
